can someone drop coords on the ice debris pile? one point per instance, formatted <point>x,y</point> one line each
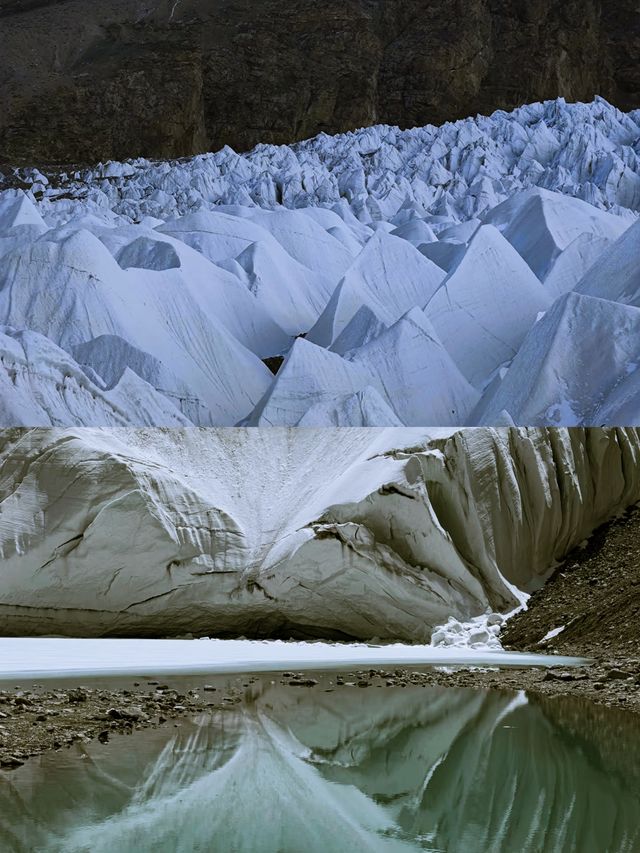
<point>479,632</point>
<point>342,534</point>
<point>483,272</point>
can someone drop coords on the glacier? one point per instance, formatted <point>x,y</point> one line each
<point>342,534</point>
<point>485,272</point>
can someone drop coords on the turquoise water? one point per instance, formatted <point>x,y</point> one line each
<point>291,770</point>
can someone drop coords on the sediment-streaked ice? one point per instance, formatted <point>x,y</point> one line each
<point>312,533</point>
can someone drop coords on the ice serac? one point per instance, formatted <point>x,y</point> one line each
<point>305,240</point>
<point>416,374</point>
<point>560,377</point>
<point>571,265</point>
<point>196,274</point>
<point>288,291</point>
<point>40,384</point>
<point>486,305</point>
<point>616,273</point>
<point>310,375</point>
<point>443,175</point>
<point>317,533</point>
<point>416,231</point>
<point>541,224</point>
<point>365,408</point>
<point>413,377</point>
<point>110,358</point>
<point>363,327</point>
<point>149,257</point>
<point>68,287</point>
<point>214,234</point>
<point>445,255</point>
<point>389,277</point>
<point>17,210</point>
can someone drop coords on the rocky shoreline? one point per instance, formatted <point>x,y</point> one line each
<point>615,683</point>
<point>591,605</point>
<point>594,594</point>
<point>34,721</point>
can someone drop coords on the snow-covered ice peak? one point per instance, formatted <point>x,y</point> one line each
<point>458,275</point>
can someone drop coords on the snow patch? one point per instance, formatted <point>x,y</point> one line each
<point>551,634</point>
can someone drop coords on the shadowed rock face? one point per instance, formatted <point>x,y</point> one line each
<point>85,80</point>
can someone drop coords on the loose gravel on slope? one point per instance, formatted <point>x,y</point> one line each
<point>595,595</point>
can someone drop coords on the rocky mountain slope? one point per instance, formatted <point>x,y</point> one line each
<point>167,78</point>
<point>591,604</point>
<point>316,533</point>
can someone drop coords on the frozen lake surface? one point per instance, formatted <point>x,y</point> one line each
<point>61,657</point>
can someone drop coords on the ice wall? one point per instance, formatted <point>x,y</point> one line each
<point>353,533</point>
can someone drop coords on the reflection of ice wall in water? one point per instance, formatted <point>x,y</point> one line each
<point>308,770</point>
<point>264,797</point>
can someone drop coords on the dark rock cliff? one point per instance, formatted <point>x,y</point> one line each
<point>82,80</point>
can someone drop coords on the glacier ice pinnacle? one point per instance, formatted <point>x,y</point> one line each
<point>485,272</point>
<point>337,533</point>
